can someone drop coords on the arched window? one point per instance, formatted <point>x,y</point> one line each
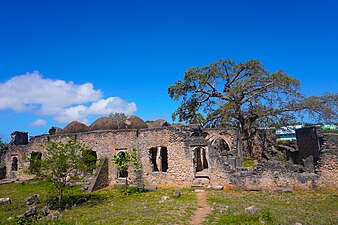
<point>221,146</point>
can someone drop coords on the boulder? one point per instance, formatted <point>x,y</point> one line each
<point>308,164</point>
<point>34,199</point>
<point>150,188</point>
<point>31,211</point>
<point>177,194</point>
<point>224,209</point>
<point>251,210</point>
<point>5,201</point>
<point>81,200</point>
<point>216,187</point>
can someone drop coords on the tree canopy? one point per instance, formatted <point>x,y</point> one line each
<point>2,144</point>
<point>245,95</point>
<point>118,118</point>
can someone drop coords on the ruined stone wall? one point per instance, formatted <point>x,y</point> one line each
<point>222,152</point>
<point>178,142</point>
<point>274,176</point>
<point>16,151</point>
<point>179,158</point>
<point>328,162</point>
<point>328,169</point>
<point>222,163</point>
<point>2,163</point>
<point>330,141</point>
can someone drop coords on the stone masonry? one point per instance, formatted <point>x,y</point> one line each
<point>182,156</point>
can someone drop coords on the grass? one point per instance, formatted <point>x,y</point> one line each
<point>107,206</point>
<point>110,206</point>
<point>248,163</point>
<point>306,207</point>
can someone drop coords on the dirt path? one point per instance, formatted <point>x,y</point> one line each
<point>204,209</point>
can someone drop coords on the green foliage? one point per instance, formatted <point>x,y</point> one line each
<point>248,163</point>
<point>107,206</point>
<point>332,131</point>
<point>2,144</point>
<point>118,118</point>
<point>246,219</point>
<point>306,207</point>
<point>35,164</point>
<point>124,161</point>
<point>245,95</point>
<point>64,163</point>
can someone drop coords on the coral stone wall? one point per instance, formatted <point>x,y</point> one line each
<point>178,143</point>
<point>328,162</point>
<point>328,169</point>
<point>182,156</point>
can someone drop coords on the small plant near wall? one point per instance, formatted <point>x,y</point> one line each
<point>123,162</point>
<point>64,163</point>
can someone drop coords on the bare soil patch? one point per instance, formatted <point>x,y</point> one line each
<point>204,209</point>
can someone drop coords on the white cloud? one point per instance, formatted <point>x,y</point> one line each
<point>112,104</point>
<point>38,123</point>
<point>100,107</point>
<point>62,100</point>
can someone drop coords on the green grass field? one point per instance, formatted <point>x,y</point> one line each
<point>110,206</point>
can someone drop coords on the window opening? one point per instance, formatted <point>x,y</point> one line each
<point>35,162</point>
<point>15,164</point>
<point>121,173</point>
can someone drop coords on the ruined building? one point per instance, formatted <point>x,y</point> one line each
<point>178,156</point>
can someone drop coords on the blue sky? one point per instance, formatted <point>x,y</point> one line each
<point>78,59</point>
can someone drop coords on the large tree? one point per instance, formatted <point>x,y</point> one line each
<point>245,95</point>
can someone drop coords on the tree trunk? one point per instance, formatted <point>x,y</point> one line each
<point>127,185</point>
<point>60,193</point>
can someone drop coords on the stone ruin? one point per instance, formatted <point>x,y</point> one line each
<point>182,156</point>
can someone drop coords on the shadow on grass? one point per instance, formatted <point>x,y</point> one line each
<point>72,200</point>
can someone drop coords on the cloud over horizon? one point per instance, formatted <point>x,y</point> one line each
<point>63,101</point>
<point>38,123</point>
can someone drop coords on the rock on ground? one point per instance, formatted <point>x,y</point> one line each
<point>34,199</point>
<point>177,194</point>
<point>251,210</point>
<point>5,201</point>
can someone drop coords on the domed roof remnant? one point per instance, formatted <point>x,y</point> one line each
<point>55,130</point>
<point>103,123</point>
<point>158,124</point>
<point>75,127</point>
<point>133,122</point>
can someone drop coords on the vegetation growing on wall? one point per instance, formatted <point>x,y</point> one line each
<point>125,161</point>
<point>66,162</point>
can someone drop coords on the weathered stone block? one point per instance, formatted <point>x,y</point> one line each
<point>5,201</point>
<point>34,199</point>
<point>251,210</point>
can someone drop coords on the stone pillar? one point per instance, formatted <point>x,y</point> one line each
<point>202,158</point>
<point>159,159</point>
